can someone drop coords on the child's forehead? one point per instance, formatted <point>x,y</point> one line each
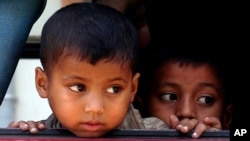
<point>103,69</point>
<point>204,66</point>
<point>204,72</point>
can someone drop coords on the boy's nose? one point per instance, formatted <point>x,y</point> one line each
<point>185,109</point>
<point>94,103</point>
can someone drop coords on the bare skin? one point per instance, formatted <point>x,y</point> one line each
<point>30,126</point>
<point>86,106</point>
<point>188,98</point>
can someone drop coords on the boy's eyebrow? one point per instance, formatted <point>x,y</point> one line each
<point>118,79</point>
<point>203,84</point>
<point>84,79</point>
<point>212,85</point>
<point>73,77</point>
<point>167,83</point>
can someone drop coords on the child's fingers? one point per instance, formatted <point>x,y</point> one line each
<point>30,126</point>
<point>174,121</point>
<point>23,125</point>
<point>209,123</point>
<point>33,127</point>
<point>199,129</point>
<point>40,125</point>
<point>213,122</point>
<point>13,124</point>
<point>19,124</point>
<point>186,125</point>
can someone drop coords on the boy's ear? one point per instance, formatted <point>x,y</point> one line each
<point>227,117</point>
<point>135,81</point>
<point>41,82</point>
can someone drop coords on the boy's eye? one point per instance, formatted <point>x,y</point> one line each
<point>168,97</point>
<point>77,88</point>
<point>208,100</point>
<point>113,89</point>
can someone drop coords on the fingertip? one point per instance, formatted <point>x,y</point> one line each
<point>206,118</point>
<point>173,117</point>
<point>41,126</point>
<point>15,123</point>
<point>195,135</point>
<point>178,126</point>
<point>182,128</point>
<point>25,125</point>
<point>12,124</point>
<point>33,130</point>
<point>185,128</point>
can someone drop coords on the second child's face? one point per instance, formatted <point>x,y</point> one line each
<point>186,91</point>
<point>88,100</point>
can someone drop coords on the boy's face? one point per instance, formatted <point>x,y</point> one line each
<point>186,91</point>
<point>89,100</point>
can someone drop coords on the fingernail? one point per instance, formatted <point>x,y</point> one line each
<point>26,125</point>
<point>33,130</point>
<point>194,135</point>
<point>41,126</point>
<point>185,128</point>
<point>179,126</point>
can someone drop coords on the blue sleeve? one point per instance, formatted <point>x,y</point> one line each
<point>16,20</point>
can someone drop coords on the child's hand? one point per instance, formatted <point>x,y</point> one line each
<point>30,126</point>
<point>198,127</point>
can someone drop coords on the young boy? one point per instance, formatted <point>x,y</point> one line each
<point>88,54</point>
<point>186,89</point>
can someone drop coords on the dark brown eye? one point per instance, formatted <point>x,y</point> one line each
<point>78,88</point>
<point>114,89</point>
<point>168,97</point>
<point>208,100</point>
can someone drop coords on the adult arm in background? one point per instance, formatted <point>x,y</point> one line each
<point>16,20</point>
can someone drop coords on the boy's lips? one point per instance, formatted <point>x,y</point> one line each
<point>92,125</point>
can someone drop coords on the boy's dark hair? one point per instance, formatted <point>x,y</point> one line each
<point>89,32</point>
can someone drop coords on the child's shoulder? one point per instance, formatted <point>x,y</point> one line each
<point>154,123</point>
<point>133,120</point>
<point>52,122</point>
